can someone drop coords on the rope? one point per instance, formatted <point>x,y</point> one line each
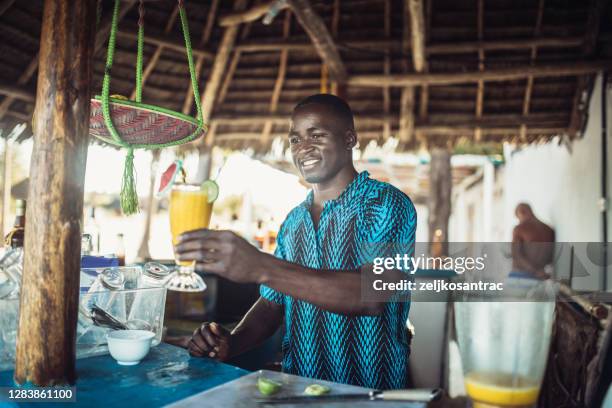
<point>139,53</point>
<point>192,71</point>
<point>129,196</point>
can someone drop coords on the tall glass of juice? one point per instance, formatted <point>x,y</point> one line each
<point>190,209</point>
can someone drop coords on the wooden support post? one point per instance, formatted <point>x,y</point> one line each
<point>439,199</point>
<point>481,57</point>
<point>7,184</point>
<point>321,39</point>
<point>46,346</point>
<point>143,251</point>
<point>406,127</point>
<point>387,71</point>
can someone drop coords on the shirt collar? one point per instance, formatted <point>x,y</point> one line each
<point>349,192</point>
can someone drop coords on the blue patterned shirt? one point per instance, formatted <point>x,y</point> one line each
<point>370,351</point>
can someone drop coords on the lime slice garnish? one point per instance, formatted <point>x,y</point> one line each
<point>212,190</point>
<point>268,387</point>
<point>317,389</point>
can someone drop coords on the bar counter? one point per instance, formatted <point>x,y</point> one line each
<point>166,375</point>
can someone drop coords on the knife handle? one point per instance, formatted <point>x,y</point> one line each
<point>417,395</point>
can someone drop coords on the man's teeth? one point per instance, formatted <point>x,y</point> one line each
<point>310,162</point>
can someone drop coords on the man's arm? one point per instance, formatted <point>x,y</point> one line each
<point>257,325</point>
<point>334,291</point>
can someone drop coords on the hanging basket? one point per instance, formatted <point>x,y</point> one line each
<point>141,125</point>
<point>135,125</point>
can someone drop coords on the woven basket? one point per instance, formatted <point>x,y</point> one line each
<point>141,125</point>
<point>135,125</point>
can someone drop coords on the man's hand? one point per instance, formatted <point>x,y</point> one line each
<point>223,253</point>
<point>210,340</point>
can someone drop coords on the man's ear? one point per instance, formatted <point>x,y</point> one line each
<point>350,139</point>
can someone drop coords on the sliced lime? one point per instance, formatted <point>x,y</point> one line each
<point>268,387</point>
<point>212,190</point>
<point>317,389</point>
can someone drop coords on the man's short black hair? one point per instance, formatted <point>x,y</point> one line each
<point>337,105</point>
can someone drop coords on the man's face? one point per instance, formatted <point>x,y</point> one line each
<point>320,144</point>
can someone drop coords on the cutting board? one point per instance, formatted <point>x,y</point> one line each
<point>242,392</point>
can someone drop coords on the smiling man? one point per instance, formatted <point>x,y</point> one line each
<point>313,282</point>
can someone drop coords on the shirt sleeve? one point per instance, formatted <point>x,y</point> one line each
<point>265,291</point>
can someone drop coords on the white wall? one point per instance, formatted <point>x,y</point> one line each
<point>562,187</point>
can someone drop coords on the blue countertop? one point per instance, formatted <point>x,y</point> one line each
<point>166,375</point>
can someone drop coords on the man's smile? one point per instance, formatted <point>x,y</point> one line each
<point>308,163</point>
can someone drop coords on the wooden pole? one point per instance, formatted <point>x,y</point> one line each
<point>143,251</point>
<point>439,200</point>
<point>6,186</point>
<point>46,346</point>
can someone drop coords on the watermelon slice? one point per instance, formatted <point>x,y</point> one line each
<point>168,177</point>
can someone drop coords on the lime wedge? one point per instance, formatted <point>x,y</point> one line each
<point>212,190</point>
<point>317,389</point>
<point>268,387</point>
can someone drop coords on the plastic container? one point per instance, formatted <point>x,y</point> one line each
<point>504,342</point>
<point>151,319</point>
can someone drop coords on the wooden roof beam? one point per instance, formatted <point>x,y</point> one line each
<point>321,38</point>
<point>442,131</point>
<point>431,49</point>
<point>417,31</point>
<point>206,33</point>
<point>252,14</point>
<point>17,92</point>
<point>492,74</point>
<point>534,53</point>
<point>209,96</point>
<point>175,45</point>
<point>101,37</point>
<point>492,120</point>
<point>5,5</point>
<point>280,80</point>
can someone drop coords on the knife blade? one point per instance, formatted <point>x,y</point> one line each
<point>415,395</point>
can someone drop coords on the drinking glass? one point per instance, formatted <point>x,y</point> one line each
<point>190,209</point>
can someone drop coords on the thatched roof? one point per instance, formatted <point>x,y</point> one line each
<point>435,71</point>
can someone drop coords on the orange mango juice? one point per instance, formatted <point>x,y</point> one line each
<point>189,210</point>
<point>501,390</point>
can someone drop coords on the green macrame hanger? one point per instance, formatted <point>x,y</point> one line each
<point>142,126</point>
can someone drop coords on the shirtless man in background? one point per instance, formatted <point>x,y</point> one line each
<point>532,243</point>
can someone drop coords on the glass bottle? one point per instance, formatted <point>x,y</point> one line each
<point>16,237</point>
<point>120,251</point>
<point>93,229</point>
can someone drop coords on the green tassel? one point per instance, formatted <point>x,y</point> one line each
<point>129,196</point>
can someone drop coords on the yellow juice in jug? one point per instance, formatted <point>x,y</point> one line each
<point>189,210</point>
<point>501,390</point>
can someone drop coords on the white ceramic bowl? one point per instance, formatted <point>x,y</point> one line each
<point>128,347</point>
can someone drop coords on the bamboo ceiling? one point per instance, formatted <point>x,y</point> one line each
<point>424,71</point>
